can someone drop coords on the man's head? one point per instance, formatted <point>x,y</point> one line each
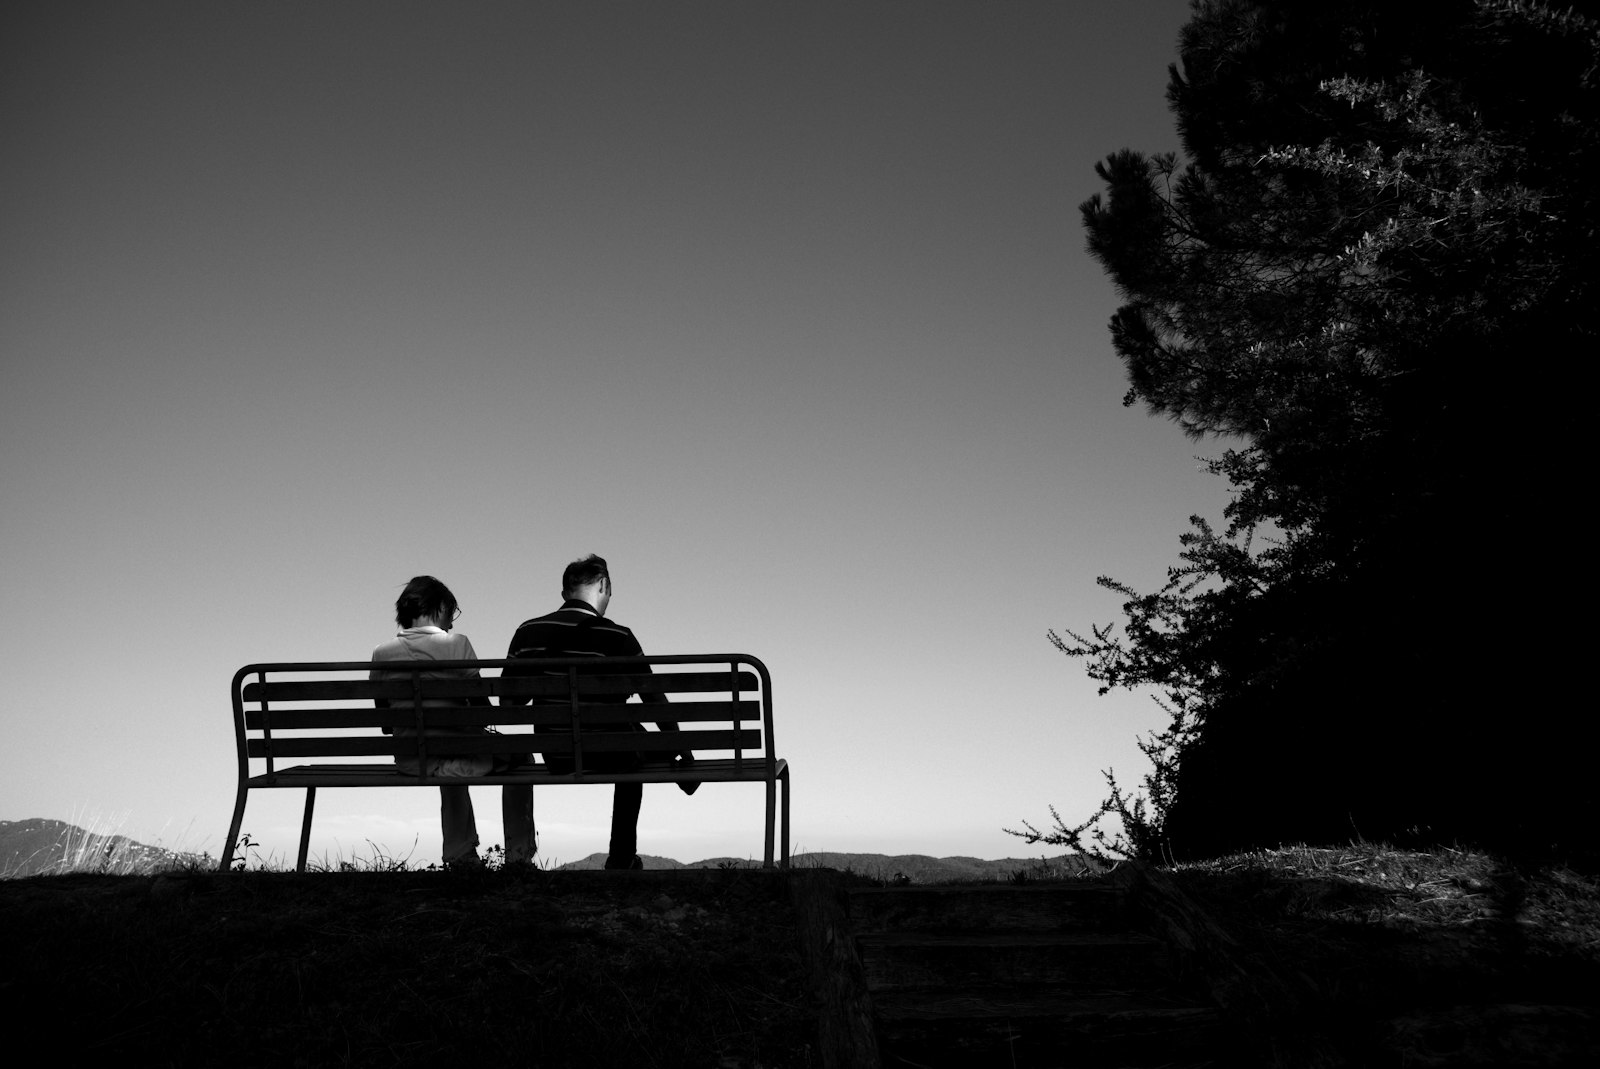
<point>588,580</point>
<point>425,598</point>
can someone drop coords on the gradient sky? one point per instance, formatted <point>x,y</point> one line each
<point>782,308</point>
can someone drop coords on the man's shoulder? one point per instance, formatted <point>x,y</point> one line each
<point>569,631</point>
<point>563,617</point>
<point>548,634</point>
<point>570,618</point>
<point>618,640</point>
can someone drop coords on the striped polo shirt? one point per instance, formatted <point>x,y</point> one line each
<point>574,630</point>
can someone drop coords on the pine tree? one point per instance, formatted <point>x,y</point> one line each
<point>1374,271</point>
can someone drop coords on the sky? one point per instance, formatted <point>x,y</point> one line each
<point>782,308</point>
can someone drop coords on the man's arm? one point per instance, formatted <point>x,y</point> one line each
<point>659,699</point>
<point>630,647</point>
<point>665,725</point>
<point>654,697</point>
<point>510,670</point>
<point>684,757</point>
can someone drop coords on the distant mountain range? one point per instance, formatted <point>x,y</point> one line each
<point>915,868</point>
<point>37,845</point>
<point>34,846</point>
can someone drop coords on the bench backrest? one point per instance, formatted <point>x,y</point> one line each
<point>721,702</point>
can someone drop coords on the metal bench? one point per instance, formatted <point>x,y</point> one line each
<point>318,710</point>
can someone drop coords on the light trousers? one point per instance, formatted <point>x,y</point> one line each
<point>460,828</point>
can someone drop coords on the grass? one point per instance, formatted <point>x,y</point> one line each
<point>411,968</point>
<point>89,843</point>
<point>1358,955</point>
<point>1369,955</point>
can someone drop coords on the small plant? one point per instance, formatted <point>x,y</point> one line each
<point>1141,815</point>
<point>240,859</point>
<point>380,861</point>
<point>383,861</point>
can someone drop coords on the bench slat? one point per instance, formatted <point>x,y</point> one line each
<point>296,718</point>
<point>340,690</point>
<point>446,745</point>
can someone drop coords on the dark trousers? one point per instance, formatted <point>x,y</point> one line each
<point>625,802</point>
<point>625,799</point>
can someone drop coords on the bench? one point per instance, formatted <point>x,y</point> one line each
<point>295,711</point>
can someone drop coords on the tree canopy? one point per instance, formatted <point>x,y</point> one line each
<point>1373,271</point>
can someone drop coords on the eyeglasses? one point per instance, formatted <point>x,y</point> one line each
<point>455,614</point>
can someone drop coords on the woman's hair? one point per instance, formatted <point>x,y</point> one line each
<point>423,596</point>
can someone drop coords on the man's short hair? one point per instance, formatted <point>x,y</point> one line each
<point>423,596</point>
<point>590,569</point>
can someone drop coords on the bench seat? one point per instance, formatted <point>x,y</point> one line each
<point>720,770</point>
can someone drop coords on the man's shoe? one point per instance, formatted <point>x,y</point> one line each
<point>627,864</point>
<point>681,762</point>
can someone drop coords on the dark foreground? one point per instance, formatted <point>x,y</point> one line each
<point>409,968</point>
<point>1344,957</point>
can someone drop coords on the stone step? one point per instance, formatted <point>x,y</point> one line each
<point>1040,1026</point>
<point>1016,908</point>
<point>1008,975</point>
<point>1084,959</point>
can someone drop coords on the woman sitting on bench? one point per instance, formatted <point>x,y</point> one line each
<point>426,611</point>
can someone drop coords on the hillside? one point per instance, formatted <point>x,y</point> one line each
<point>42,846</point>
<point>1352,957</point>
<point>409,968</point>
<point>890,868</point>
<point>39,845</point>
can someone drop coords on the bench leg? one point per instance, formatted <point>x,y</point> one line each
<point>766,859</point>
<point>772,786</point>
<point>233,829</point>
<point>305,828</point>
<point>785,778</point>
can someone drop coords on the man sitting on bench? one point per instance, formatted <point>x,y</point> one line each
<point>580,629</point>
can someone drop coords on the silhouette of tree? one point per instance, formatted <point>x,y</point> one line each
<point>1375,272</point>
